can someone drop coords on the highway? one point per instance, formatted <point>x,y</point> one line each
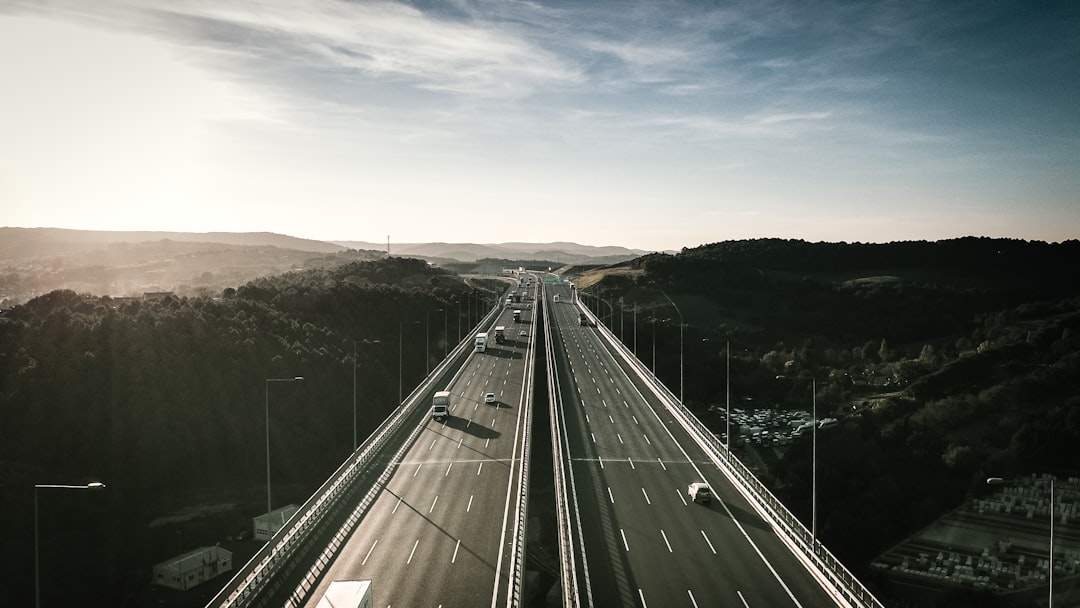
<point>643,542</point>
<point>441,529</point>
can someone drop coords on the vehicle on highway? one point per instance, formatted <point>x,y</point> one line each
<point>699,492</point>
<point>489,397</point>
<point>523,333</point>
<point>440,406</point>
<point>500,334</point>
<point>481,342</point>
<point>556,297</point>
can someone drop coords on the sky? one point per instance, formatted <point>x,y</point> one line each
<point>647,124</point>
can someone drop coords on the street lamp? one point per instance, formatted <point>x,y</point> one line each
<point>727,392</point>
<point>399,350</point>
<point>94,485</point>
<point>458,334</point>
<point>268,381</point>
<point>1050,571</point>
<point>813,459</point>
<point>681,324</point>
<point>354,363</point>
<point>653,322</point>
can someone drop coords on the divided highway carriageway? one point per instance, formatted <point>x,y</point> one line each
<point>632,536</point>
<point>433,512</point>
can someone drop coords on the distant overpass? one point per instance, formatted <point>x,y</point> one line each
<point>434,513</point>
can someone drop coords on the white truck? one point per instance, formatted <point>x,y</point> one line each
<point>500,334</point>
<point>440,406</point>
<point>347,594</point>
<point>481,342</point>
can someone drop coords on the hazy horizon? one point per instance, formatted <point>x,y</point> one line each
<point>642,125</point>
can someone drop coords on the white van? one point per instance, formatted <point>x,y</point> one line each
<point>699,492</point>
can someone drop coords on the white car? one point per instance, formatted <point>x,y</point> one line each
<point>523,333</point>
<point>699,492</point>
<point>489,397</point>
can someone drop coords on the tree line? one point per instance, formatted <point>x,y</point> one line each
<point>164,400</point>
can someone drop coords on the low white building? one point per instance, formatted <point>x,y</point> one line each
<point>267,524</point>
<point>192,568</point>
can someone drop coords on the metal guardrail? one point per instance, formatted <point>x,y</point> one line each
<point>833,575</point>
<point>567,541</point>
<point>275,556</point>
<point>517,557</point>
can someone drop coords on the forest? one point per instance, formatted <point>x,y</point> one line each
<point>946,362</point>
<point>165,400</point>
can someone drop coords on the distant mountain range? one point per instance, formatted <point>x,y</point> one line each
<point>18,243</point>
<point>559,252</point>
<point>27,242</point>
<point>34,261</point>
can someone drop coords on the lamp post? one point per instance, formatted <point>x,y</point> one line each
<point>1050,571</point>
<point>94,485</point>
<point>354,364</point>
<point>267,403</point>
<point>653,322</point>
<point>727,393</point>
<point>458,334</point>
<point>813,459</point>
<point>445,329</point>
<point>681,325</point>
<point>399,349</point>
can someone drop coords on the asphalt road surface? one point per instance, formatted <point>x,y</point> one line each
<point>645,542</point>
<point>441,530</point>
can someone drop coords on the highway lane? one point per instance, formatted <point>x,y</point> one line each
<point>644,542</point>
<point>440,531</point>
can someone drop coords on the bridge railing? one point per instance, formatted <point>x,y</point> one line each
<point>515,596</point>
<point>260,572</point>
<point>563,475</point>
<point>835,577</point>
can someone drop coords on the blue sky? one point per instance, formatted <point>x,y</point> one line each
<point>653,125</point>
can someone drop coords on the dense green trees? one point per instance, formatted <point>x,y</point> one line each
<point>947,362</point>
<point>163,399</point>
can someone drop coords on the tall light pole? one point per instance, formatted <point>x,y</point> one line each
<point>727,392</point>
<point>813,460</point>
<point>94,485</point>
<point>354,365</point>
<point>681,325</point>
<point>1050,572</point>
<point>458,322</point>
<point>267,402</point>
<point>445,330</point>
<point>653,343</point>
<point>399,350</point>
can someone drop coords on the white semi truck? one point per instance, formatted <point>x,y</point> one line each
<point>347,594</point>
<point>440,406</point>
<point>481,342</point>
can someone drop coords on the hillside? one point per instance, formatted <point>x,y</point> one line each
<point>162,398</point>
<point>556,253</point>
<point>945,362</point>
<point>35,261</point>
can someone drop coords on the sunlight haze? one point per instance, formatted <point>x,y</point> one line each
<point>646,125</point>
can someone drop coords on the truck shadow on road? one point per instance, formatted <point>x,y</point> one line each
<point>472,428</point>
<point>747,518</point>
